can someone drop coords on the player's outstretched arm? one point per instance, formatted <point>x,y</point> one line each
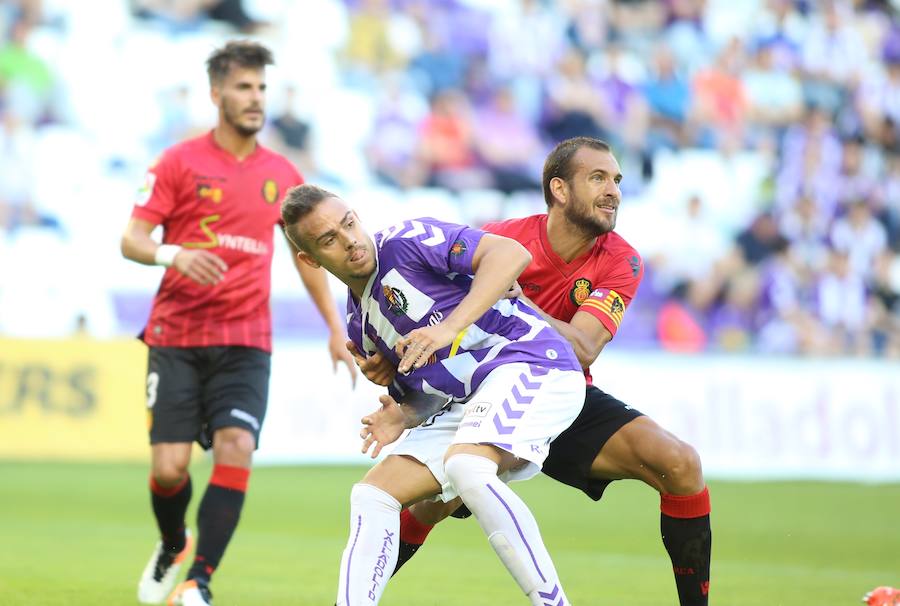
<point>385,425</point>
<point>201,266</point>
<point>316,282</point>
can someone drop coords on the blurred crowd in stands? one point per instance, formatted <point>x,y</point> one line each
<point>759,139</point>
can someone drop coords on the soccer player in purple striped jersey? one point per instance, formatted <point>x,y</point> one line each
<point>429,296</point>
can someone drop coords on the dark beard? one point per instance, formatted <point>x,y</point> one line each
<point>588,224</point>
<point>244,131</point>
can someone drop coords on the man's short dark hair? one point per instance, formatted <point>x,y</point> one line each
<point>559,162</point>
<point>298,202</point>
<point>240,53</point>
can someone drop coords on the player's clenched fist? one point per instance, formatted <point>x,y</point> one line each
<point>201,266</point>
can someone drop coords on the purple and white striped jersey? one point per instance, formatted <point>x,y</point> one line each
<point>424,270</point>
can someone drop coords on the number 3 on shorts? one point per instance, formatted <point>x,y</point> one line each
<point>152,384</point>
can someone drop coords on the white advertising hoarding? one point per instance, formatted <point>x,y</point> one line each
<point>749,417</point>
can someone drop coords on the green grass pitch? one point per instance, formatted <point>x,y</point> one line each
<point>73,534</point>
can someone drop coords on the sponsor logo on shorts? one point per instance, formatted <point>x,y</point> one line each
<point>477,409</point>
<point>246,417</point>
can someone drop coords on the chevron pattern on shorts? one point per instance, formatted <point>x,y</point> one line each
<point>517,403</point>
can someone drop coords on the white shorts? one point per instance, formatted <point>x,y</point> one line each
<point>518,408</point>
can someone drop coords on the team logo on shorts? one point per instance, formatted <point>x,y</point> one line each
<point>396,299</point>
<point>270,191</point>
<point>459,247</point>
<point>581,291</point>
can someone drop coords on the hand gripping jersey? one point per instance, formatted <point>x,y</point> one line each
<point>601,282</point>
<point>424,270</point>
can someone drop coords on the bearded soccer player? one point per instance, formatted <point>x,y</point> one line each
<point>209,332</point>
<point>582,278</point>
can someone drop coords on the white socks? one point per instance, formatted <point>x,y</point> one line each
<point>371,553</point>
<point>509,526</point>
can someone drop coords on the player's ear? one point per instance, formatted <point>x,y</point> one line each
<point>308,259</point>
<point>560,189</point>
<point>215,94</point>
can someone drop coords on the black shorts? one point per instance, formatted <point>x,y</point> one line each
<point>193,391</point>
<point>573,452</point>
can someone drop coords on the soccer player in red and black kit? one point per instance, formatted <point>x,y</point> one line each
<point>218,199</point>
<point>582,277</point>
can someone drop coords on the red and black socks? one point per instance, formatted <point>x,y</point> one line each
<point>169,506</point>
<point>217,518</point>
<point>412,535</point>
<point>687,536</point>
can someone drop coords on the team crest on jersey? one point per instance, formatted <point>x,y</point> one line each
<point>207,192</point>
<point>459,247</point>
<point>581,291</point>
<point>396,299</point>
<point>270,191</point>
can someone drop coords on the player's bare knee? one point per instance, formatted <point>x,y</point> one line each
<point>233,447</point>
<point>683,471</point>
<point>169,473</point>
